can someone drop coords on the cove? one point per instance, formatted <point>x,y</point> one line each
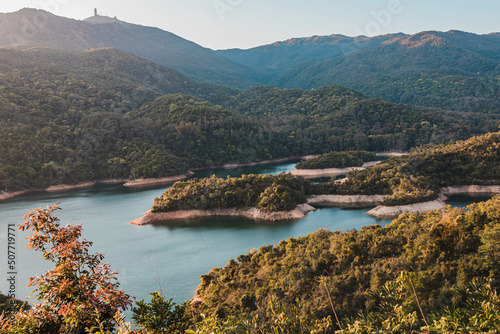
<point>172,255</point>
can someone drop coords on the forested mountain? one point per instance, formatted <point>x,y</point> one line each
<point>451,70</point>
<point>206,135</point>
<point>63,119</point>
<point>69,116</point>
<point>29,27</point>
<point>93,78</point>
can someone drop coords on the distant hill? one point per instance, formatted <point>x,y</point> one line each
<point>30,27</point>
<point>93,76</point>
<point>450,70</point>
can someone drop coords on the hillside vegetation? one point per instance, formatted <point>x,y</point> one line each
<point>28,28</point>
<point>440,254</point>
<point>65,118</point>
<point>452,70</point>
<point>279,57</point>
<point>416,177</point>
<point>434,272</point>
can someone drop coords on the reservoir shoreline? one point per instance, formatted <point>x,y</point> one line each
<point>146,182</point>
<point>301,210</point>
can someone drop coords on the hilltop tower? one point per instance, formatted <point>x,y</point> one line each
<point>95,11</point>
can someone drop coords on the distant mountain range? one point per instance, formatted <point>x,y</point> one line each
<point>30,27</point>
<point>452,70</point>
<point>279,57</point>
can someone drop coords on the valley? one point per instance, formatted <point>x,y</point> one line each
<point>111,121</point>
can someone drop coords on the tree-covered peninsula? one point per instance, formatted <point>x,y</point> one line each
<point>281,192</point>
<point>417,177</point>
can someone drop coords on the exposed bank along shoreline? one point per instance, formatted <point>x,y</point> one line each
<point>299,212</point>
<point>336,200</point>
<point>439,203</point>
<point>4,195</point>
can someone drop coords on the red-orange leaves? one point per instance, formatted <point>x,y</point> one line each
<point>80,292</point>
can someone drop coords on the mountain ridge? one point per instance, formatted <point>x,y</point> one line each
<point>453,70</point>
<point>31,27</point>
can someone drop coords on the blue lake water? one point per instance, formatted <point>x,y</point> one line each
<point>168,255</point>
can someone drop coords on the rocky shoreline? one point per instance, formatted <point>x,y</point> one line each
<point>152,217</point>
<point>299,212</point>
<point>257,163</point>
<point>440,203</point>
<point>470,189</point>
<point>382,211</point>
<point>163,180</point>
<point>4,195</point>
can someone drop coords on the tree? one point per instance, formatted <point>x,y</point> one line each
<point>80,294</point>
<point>161,316</point>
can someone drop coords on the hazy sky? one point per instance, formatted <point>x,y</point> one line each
<point>220,24</point>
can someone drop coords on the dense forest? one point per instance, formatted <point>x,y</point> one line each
<point>420,175</point>
<point>423,272</point>
<point>67,117</point>
<point>64,119</point>
<point>335,118</point>
<point>267,192</point>
<point>71,116</point>
<point>338,160</point>
<point>159,46</point>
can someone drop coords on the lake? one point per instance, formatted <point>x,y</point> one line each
<point>169,256</point>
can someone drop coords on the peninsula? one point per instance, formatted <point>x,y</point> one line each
<point>413,183</point>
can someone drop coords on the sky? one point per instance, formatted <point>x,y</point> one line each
<point>224,24</point>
